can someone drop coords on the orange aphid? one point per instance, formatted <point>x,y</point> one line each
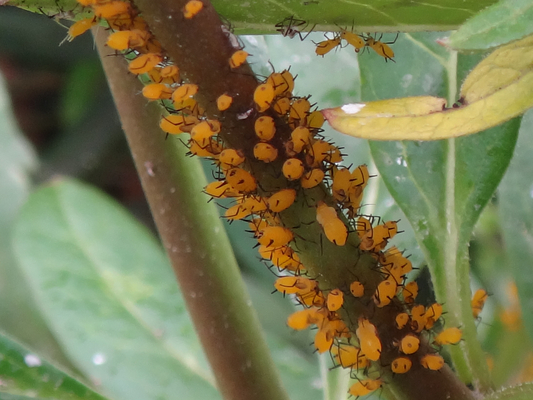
<point>312,178</point>
<point>124,40</point>
<point>157,91</point>
<point>237,59</point>
<point>325,46</point>
<point>293,169</point>
<point>401,320</point>
<point>111,9</point>
<point>212,149</point>
<point>368,339</point>
<point>335,230</point>
<point>433,313</point>
<point>275,236</point>
<point>418,318</point>
<point>299,109</point>
<point>231,157</point>
<point>304,318</point>
<point>357,289</point>
<point>401,365</point>
<point>323,341</point>
<point>282,105</point>
<point>448,336</point>
<point>263,96</point>
<point>184,91</point>
<point>241,181</point>
<point>433,362</point>
<point>264,127</point>
<point>478,302</point>
<point>224,102</point>
<point>410,291</point>
<point>265,152</point>
<point>300,137</point>
<point>236,212</point>
<point>80,27</point>
<point>295,285</point>
<point>385,292</point>
<point>349,356</point>
<point>281,200</point>
<point>218,189</point>
<point>203,132</point>
<point>409,344</point>
<point>364,387</point>
<point>192,8</point>
<point>335,300</point>
<point>144,63</point>
<point>178,123</point>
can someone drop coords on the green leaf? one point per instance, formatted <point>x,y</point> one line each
<point>17,162</point>
<point>516,215</point>
<point>498,24</point>
<point>367,15</point>
<point>26,376</point>
<point>441,186</point>
<point>519,392</point>
<point>106,288</point>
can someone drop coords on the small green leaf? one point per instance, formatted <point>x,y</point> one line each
<point>498,24</point>
<point>106,288</point>
<point>25,375</point>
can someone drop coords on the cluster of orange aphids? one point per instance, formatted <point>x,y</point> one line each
<point>287,139</point>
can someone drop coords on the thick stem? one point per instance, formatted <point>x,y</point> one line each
<point>196,244</point>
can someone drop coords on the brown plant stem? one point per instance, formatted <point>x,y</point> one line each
<point>202,259</point>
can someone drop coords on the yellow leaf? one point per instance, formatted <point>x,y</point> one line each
<point>498,89</point>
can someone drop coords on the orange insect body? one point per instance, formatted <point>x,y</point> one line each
<point>304,318</point>
<point>409,344</point>
<point>401,320</point>
<point>410,291</point>
<point>385,292</point>
<point>265,152</point>
<point>335,230</point>
<point>184,91</point>
<point>357,289</point>
<point>218,189</point>
<point>237,59</point>
<point>144,63</point>
<point>231,157</point>
<point>433,313</point>
<point>368,339</point>
<point>448,336</point>
<point>324,47</point>
<point>282,105</point>
<point>203,132</point>
<point>312,178</point>
<point>418,318</point>
<point>364,387</point>
<point>401,365</point>
<point>335,300</point>
<point>157,91</point>
<point>295,285</point>
<point>178,123</point>
<point>192,8</point>
<point>478,302</point>
<point>275,236</point>
<point>124,40</point>
<point>111,9</point>
<point>293,169</point>
<point>263,96</point>
<point>300,137</point>
<point>349,356</point>
<point>353,39</point>
<point>323,341</point>
<point>299,109</point>
<point>433,362</point>
<point>281,200</point>
<point>380,48</point>
<point>224,102</point>
<point>241,180</point>
<point>80,27</point>
<point>264,127</point>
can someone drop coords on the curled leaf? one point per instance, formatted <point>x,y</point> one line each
<point>498,89</point>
